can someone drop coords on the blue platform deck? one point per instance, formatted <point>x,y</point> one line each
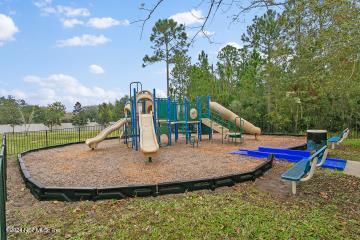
<point>290,156</point>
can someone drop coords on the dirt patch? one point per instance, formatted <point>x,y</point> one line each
<point>271,181</point>
<point>113,164</point>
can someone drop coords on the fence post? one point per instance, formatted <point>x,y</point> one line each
<point>46,138</point>
<point>79,134</point>
<point>3,189</point>
<point>5,164</point>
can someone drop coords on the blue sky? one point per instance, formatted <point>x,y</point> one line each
<point>89,51</point>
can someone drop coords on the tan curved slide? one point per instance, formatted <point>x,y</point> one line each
<point>229,115</point>
<point>148,140</point>
<point>127,109</point>
<point>93,142</point>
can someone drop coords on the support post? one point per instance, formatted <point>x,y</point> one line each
<point>169,119</point>
<point>126,133</point>
<point>293,187</point>
<point>3,189</point>
<point>198,104</point>
<point>176,124</point>
<point>209,114</point>
<point>135,122</point>
<point>132,122</point>
<point>46,137</point>
<point>79,133</point>
<point>186,102</point>
<point>155,112</point>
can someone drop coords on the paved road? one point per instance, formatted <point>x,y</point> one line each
<point>352,168</point>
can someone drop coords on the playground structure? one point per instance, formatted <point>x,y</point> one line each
<point>147,122</point>
<point>147,117</point>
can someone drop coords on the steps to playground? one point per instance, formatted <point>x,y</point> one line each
<point>290,156</point>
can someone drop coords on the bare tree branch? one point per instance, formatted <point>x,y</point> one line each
<point>213,8</point>
<point>150,13</point>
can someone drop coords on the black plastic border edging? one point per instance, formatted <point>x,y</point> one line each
<point>42,192</point>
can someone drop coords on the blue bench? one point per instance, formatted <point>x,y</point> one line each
<point>304,169</point>
<point>338,139</point>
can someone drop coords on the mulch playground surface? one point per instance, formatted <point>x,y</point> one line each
<point>113,164</point>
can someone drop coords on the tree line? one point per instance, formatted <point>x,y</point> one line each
<point>17,112</point>
<point>297,69</point>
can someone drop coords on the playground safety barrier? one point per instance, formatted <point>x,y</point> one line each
<point>71,194</point>
<point>23,141</point>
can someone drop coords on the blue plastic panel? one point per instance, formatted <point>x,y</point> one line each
<point>290,156</point>
<point>285,151</point>
<point>298,171</point>
<point>334,139</point>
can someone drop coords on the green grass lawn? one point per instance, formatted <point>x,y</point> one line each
<point>326,207</point>
<point>319,211</point>
<point>349,150</point>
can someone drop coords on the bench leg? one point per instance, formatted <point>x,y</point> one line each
<point>293,187</point>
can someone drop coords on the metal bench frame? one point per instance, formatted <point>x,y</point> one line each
<point>313,165</point>
<point>343,136</point>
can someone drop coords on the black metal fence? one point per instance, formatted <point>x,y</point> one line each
<point>352,135</point>
<point>23,141</point>
<point>3,193</point>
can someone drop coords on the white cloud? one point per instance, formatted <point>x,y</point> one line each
<point>106,22</point>
<point>96,69</point>
<point>72,22</point>
<point>42,3</point>
<point>189,18</point>
<point>7,29</point>
<point>100,23</point>
<point>15,93</point>
<point>160,93</point>
<point>69,16</point>
<point>47,8</point>
<point>233,44</point>
<point>73,12</point>
<point>84,40</point>
<point>67,89</point>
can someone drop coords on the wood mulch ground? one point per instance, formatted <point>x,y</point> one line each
<point>113,164</point>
